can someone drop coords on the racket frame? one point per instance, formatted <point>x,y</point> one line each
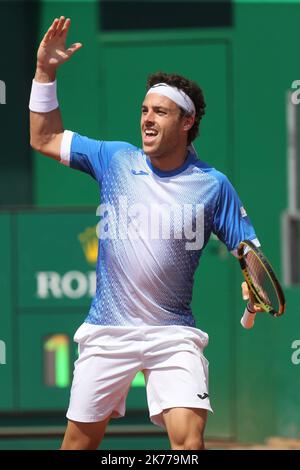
<point>265,263</point>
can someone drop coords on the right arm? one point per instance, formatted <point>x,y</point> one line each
<point>46,128</point>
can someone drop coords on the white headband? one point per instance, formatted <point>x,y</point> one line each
<point>176,95</point>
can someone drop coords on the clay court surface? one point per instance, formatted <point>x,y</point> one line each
<point>272,443</point>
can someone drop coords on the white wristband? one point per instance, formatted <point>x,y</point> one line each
<point>247,320</point>
<point>43,97</point>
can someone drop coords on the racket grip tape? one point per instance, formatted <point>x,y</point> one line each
<point>247,320</point>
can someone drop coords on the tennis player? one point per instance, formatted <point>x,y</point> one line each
<point>159,206</point>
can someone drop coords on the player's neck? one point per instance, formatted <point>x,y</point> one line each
<point>169,162</point>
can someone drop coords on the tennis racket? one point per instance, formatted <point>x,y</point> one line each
<point>261,281</point>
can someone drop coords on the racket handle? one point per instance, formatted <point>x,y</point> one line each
<point>247,320</point>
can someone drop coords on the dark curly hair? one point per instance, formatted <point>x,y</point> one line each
<point>190,88</point>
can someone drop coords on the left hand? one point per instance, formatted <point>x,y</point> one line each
<point>247,295</point>
<point>53,51</point>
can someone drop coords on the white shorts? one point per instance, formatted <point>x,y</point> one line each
<point>171,358</point>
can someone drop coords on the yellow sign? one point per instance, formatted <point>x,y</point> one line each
<point>89,243</point>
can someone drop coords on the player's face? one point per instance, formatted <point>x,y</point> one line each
<point>161,126</point>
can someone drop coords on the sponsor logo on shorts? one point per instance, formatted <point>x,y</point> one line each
<point>203,396</point>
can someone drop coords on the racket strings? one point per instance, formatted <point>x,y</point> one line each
<point>261,279</point>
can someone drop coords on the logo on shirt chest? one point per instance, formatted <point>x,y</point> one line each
<point>139,172</point>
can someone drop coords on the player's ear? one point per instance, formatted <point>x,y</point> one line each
<point>188,122</point>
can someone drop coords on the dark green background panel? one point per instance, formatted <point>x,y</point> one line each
<point>287,368</point>
<point>33,328</point>
<point>6,314</point>
<point>18,34</point>
<point>49,247</point>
